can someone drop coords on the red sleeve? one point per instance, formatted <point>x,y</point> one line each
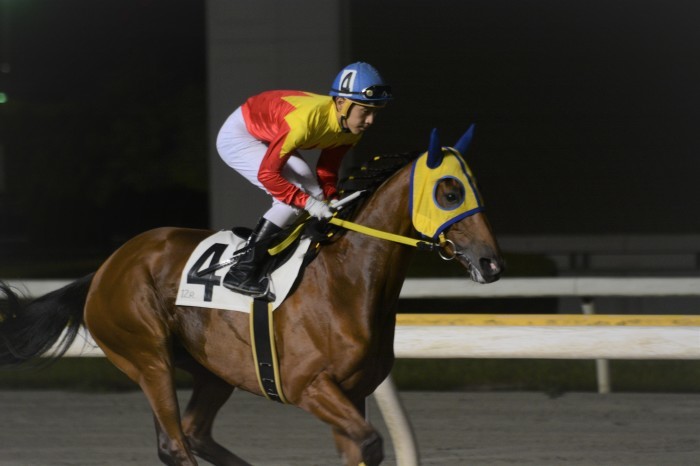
<point>327,169</point>
<point>270,174</point>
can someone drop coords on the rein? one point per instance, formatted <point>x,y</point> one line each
<point>421,245</point>
<point>417,243</point>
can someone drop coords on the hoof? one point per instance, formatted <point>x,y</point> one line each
<point>372,450</point>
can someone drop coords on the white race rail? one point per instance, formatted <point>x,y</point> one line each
<point>560,336</point>
<point>584,287</point>
<point>547,336</point>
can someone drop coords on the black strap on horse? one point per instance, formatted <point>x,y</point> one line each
<point>262,339</point>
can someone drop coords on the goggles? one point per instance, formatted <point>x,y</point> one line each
<point>371,93</point>
<point>376,92</point>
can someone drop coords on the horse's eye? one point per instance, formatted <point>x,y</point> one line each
<point>449,193</point>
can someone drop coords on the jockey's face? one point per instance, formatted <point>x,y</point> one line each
<point>359,117</point>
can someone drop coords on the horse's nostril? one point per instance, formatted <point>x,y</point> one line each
<point>490,266</point>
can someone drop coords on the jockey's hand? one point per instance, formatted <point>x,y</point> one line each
<point>333,203</point>
<point>318,209</point>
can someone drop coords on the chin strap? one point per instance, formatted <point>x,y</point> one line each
<point>343,114</point>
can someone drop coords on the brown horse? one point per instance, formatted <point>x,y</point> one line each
<point>334,333</point>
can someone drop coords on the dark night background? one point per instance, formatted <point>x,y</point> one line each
<point>586,112</point>
<point>104,128</point>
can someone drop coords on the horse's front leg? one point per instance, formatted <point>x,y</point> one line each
<point>357,441</point>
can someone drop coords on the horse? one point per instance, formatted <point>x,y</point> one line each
<point>333,334</point>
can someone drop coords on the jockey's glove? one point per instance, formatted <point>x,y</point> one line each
<point>317,208</point>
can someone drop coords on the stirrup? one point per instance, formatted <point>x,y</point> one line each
<point>240,288</point>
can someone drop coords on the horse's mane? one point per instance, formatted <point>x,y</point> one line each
<point>371,174</point>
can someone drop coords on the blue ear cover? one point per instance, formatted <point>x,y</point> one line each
<point>434,150</point>
<point>463,143</point>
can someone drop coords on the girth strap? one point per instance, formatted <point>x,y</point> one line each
<point>262,340</point>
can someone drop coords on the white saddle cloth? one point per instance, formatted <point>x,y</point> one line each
<point>207,291</point>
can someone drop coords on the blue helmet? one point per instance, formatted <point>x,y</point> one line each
<point>361,83</point>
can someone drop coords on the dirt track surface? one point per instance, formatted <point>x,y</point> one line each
<point>581,429</point>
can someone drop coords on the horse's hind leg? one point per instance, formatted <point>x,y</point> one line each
<point>154,375</point>
<point>147,360</point>
<point>208,396</point>
<point>156,380</point>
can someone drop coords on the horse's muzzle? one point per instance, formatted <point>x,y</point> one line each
<point>491,269</point>
<point>484,267</point>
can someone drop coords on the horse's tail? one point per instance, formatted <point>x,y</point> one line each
<point>31,329</point>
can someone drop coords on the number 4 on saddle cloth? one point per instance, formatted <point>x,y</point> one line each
<point>200,282</point>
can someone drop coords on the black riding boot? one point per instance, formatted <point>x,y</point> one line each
<point>246,276</point>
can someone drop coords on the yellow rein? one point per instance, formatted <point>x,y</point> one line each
<point>348,225</point>
<point>416,243</point>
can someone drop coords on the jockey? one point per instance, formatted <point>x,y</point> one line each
<point>261,140</point>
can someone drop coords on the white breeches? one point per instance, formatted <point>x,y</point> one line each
<point>242,152</point>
